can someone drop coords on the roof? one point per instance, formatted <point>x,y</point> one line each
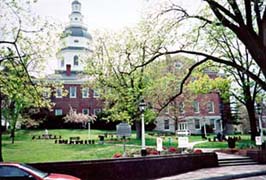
<point>77,31</point>
<point>75,48</point>
<point>76,2</point>
<point>76,77</point>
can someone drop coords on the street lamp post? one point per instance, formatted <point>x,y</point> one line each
<point>89,129</point>
<point>259,110</point>
<point>142,107</point>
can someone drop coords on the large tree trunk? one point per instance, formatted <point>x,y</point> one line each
<point>252,118</point>
<point>138,129</point>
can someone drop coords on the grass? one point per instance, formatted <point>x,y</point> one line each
<point>244,142</point>
<point>27,150</point>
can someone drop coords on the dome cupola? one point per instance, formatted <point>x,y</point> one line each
<point>76,6</point>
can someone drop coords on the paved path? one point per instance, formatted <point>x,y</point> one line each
<point>192,144</point>
<point>244,172</point>
<point>221,173</point>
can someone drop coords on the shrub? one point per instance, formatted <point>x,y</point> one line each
<point>197,151</point>
<point>154,152</point>
<point>117,155</point>
<point>172,150</point>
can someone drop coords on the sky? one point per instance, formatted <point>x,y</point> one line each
<point>99,14</point>
<point>107,14</point>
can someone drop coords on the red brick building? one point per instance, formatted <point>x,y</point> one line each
<point>202,110</point>
<point>69,72</point>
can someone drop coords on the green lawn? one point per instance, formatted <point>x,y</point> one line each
<point>243,143</point>
<point>27,150</point>
<point>40,150</point>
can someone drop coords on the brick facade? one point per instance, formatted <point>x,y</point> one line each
<point>79,103</point>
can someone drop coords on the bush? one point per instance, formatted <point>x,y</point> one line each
<point>117,155</point>
<point>172,150</point>
<point>197,151</point>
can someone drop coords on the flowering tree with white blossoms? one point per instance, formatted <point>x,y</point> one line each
<point>74,117</point>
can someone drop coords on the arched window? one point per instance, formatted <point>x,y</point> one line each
<point>76,60</point>
<point>62,62</point>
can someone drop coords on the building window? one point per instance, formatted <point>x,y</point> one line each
<point>45,94</point>
<point>73,92</point>
<point>210,107</point>
<point>58,93</point>
<point>85,111</point>
<point>95,94</point>
<point>62,62</point>
<point>166,124</point>
<point>181,107</point>
<point>178,65</point>
<point>182,126</point>
<point>85,92</point>
<point>58,112</point>
<point>76,60</point>
<point>97,111</point>
<point>213,124</point>
<point>197,123</point>
<point>196,106</point>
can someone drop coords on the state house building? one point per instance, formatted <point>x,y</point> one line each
<point>69,71</point>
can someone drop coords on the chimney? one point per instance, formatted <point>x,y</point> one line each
<point>68,69</point>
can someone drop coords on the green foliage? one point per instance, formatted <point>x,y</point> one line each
<point>204,84</point>
<point>24,45</point>
<point>118,67</point>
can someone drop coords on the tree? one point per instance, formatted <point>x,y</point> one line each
<point>165,76</point>
<point>245,90</point>
<point>114,63</point>
<point>23,47</point>
<point>21,95</point>
<point>246,20</point>
<point>79,118</point>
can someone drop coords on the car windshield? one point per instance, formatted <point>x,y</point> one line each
<point>36,171</point>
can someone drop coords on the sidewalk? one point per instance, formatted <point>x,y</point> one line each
<point>222,173</point>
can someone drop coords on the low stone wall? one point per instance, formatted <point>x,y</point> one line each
<point>132,168</point>
<point>257,155</point>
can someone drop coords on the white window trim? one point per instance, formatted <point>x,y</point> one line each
<point>76,60</point>
<point>87,111</point>
<point>199,124</point>
<point>62,62</point>
<point>198,107</point>
<point>165,123</point>
<point>95,110</point>
<point>56,111</point>
<point>56,95</point>
<point>71,93</point>
<point>82,91</point>
<point>182,124</point>
<point>95,94</point>
<point>212,105</point>
<point>183,104</point>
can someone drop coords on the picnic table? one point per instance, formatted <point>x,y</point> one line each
<point>75,138</point>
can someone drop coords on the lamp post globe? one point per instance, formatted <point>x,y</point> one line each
<point>142,107</point>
